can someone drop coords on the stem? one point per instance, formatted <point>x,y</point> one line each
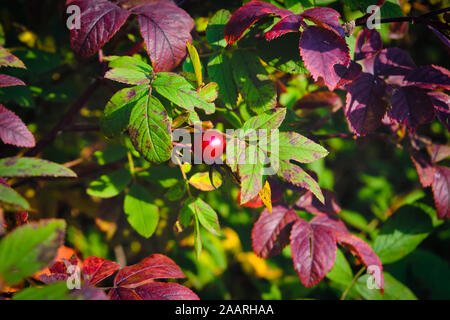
<point>131,163</point>
<point>184,177</point>
<point>65,120</point>
<point>344,294</point>
<point>412,19</point>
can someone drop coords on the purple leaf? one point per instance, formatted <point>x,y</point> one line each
<point>156,266</point>
<point>165,291</point>
<point>321,49</point>
<point>271,232</point>
<point>326,18</point>
<point>429,77</point>
<point>441,191</point>
<point>319,99</point>
<point>96,269</point>
<point>438,152</point>
<point>441,104</point>
<point>411,106</point>
<point>290,23</point>
<point>365,254</point>
<point>309,203</point>
<point>165,28</point>
<point>247,15</point>
<point>330,222</point>
<point>313,251</point>
<point>393,62</point>
<point>9,60</point>
<point>365,105</point>
<point>13,130</point>
<point>347,73</point>
<point>8,81</point>
<point>424,168</point>
<point>368,43</point>
<point>100,20</point>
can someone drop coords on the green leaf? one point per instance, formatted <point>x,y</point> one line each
<point>220,71</point>
<point>193,54</point>
<point>253,82</point>
<point>205,214</point>
<point>393,289</point>
<point>109,185</point>
<point>210,92</point>
<point>150,130</point>
<point>31,167</point>
<point>215,33</point>
<point>54,291</point>
<point>298,177</point>
<point>29,249</point>
<point>282,53</point>
<point>9,60</point>
<point>268,120</point>
<point>390,9</point>
<point>11,200</point>
<point>142,214</point>
<point>402,233</point>
<point>129,70</point>
<point>176,192</point>
<point>294,146</point>
<point>341,272</point>
<point>201,181</point>
<point>116,116</point>
<point>178,90</point>
<point>128,62</point>
<point>111,154</point>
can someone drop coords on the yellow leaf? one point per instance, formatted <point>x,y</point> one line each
<point>202,182</point>
<point>266,196</point>
<point>196,63</point>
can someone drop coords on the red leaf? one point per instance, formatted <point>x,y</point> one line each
<point>332,223</point>
<point>318,99</point>
<point>271,232</point>
<point>424,168</point>
<point>100,20</point>
<point>326,18</point>
<point>368,43</point>
<point>411,106</point>
<point>322,49</point>
<point>247,15</point>
<point>392,62</point>
<point>165,28</point>
<point>308,202</point>
<point>347,74</point>
<point>13,130</point>
<point>288,24</point>
<point>313,251</point>
<point>165,291</point>
<point>8,81</point>
<point>96,269</point>
<point>365,105</point>
<point>365,253</point>
<point>441,104</point>
<point>156,266</point>
<point>429,77</point>
<point>441,191</point>
<point>154,291</point>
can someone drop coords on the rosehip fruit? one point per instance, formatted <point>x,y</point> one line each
<point>213,145</point>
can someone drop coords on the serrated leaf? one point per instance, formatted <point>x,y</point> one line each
<point>31,167</point>
<point>150,130</point>
<point>13,130</point>
<point>313,251</point>
<point>210,92</point>
<point>269,120</point>
<point>9,60</point>
<point>253,82</point>
<point>294,146</point>
<point>30,248</point>
<point>365,106</point>
<point>100,20</point>
<point>126,62</point>
<point>368,43</point>
<point>247,15</point>
<point>165,28</point>
<point>205,214</point>
<point>326,18</point>
<point>441,104</point>
<point>156,266</point>
<point>441,191</point>
<point>11,200</point>
<point>402,233</point>
<point>201,181</point>
<point>220,71</point>
<point>215,33</point>
<point>96,269</point>
<point>429,77</point>
<point>8,81</point>
<point>270,233</point>
<point>322,50</point>
<point>193,54</point>
<point>116,116</point>
<point>128,76</point>
<point>142,214</point>
<point>424,168</point>
<point>393,289</point>
<point>311,204</point>
<point>290,23</point>
<point>109,185</point>
<point>393,62</point>
<point>178,90</point>
<point>154,291</point>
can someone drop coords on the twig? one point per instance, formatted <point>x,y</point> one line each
<point>344,294</point>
